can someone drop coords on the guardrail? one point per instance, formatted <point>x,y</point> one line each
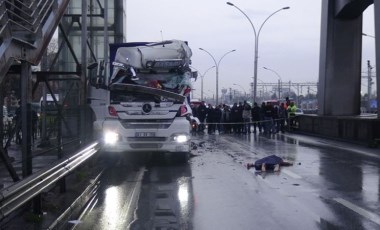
<point>18,194</point>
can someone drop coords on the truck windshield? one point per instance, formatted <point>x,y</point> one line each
<point>173,82</point>
<point>119,96</point>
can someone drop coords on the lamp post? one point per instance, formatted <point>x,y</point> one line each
<point>245,92</point>
<point>279,81</point>
<point>217,70</point>
<point>264,85</point>
<point>256,43</point>
<point>213,95</point>
<point>204,74</point>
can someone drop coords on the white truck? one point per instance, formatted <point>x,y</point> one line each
<point>144,105</point>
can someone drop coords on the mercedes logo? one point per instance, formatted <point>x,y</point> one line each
<point>147,108</point>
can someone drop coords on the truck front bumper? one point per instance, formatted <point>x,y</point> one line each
<point>116,138</point>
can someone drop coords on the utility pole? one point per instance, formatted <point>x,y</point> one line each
<point>230,95</point>
<point>369,86</point>
<point>83,95</point>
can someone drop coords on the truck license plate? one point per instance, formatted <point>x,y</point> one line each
<point>145,134</point>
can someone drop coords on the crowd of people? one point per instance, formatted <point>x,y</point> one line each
<point>244,119</point>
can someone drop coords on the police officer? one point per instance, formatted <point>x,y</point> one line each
<point>291,114</point>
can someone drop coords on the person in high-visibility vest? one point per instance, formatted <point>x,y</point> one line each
<point>291,114</point>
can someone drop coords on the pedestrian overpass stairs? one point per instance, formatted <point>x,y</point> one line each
<point>26,28</point>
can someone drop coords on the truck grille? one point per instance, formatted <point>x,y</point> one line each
<point>147,124</point>
<point>146,145</point>
<point>146,139</point>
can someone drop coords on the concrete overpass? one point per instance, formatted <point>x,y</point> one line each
<point>340,74</point>
<point>341,56</point>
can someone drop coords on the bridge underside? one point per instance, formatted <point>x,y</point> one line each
<point>340,56</point>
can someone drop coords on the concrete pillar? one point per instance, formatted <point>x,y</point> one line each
<point>377,35</point>
<point>340,63</point>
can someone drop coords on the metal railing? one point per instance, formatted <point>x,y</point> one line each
<point>20,193</point>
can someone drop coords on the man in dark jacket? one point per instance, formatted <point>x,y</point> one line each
<point>210,119</point>
<point>202,113</point>
<point>255,114</point>
<point>268,118</point>
<point>240,118</point>
<point>227,119</point>
<point>282,115</point>
<point>218,118</point>
<point>235,118</point>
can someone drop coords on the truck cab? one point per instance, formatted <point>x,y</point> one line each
<point>144,105</point>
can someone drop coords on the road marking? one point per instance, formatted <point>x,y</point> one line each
<point>291,174</point>
<point>302,206</point>
<point>361,211</point>
<point>135,194</point>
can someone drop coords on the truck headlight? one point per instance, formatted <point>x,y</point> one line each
<point>111,137</point>
<point>181,138</point>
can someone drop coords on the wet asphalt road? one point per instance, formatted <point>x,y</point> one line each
<point>332,185</point>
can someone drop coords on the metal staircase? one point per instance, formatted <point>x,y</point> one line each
<point>26,28</point>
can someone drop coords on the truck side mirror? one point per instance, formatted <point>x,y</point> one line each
<point>100,70</point>
<point>97,80</point>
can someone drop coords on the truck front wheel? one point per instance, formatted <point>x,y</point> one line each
<point>181,157</point>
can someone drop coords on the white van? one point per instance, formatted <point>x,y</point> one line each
<point>50,105</point>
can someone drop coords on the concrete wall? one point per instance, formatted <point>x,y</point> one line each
<point>355,129</point>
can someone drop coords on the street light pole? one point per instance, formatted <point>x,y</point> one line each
<point>213,95</point>
<point>204,74</point>
<point>279,81</point>
<point>245,92</point>
<point>256,43</point>
<point>217,70</point>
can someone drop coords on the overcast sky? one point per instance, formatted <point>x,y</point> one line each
<point>288,42</point>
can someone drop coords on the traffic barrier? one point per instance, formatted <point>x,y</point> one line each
<point>242,123</point>
<point>18,194</point>
<point>289,123</point>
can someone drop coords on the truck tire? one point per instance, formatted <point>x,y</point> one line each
<point>110,159</point>
<point>182,157</point>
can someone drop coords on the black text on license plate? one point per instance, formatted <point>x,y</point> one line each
<point>145,134</point>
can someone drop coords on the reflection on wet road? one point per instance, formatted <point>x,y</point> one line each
<point>332,185</point>
<point>166,198</point>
